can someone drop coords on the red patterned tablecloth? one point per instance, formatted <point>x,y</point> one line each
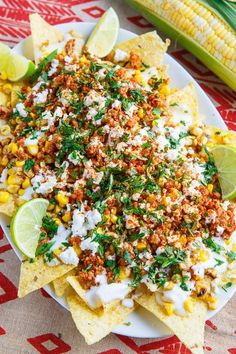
<point>37,324</point>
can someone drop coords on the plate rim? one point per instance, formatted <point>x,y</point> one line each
<point>64,26</point>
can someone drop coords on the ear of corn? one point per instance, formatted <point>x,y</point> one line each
<point>199,28</point>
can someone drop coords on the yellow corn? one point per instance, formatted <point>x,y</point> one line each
<point>20,163</point>
<point>7,88</point>
<point>203,255</point>
<point>51,207</point>
<point>165,90</point>
<point>4,161</point>
<point>83,60</point>
<point>188,305</point>
<point>137,72</point>
<point>210,187</point>
<point>168,307</point>
<point>77,250</point>
<point>141,246</point>
<point>57,251</point>
<point>13,147</point>
<point>67,216</point>
<point>212,302</point>
<point>33,149</point>
<point>62,199</point>
<point>234,247</point>
<point>113,219</point>
<point>57,221</point>
<point>122,275</point>
<point>13,179</point>
<point>140,113</point>
<point>5,130</point>
<point>57,209</point>
<point>32,115</point>
<point>26,183</point>
<point>21,192</point>
<point>4,196</point>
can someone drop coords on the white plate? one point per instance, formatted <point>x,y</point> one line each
<point>143,324</point>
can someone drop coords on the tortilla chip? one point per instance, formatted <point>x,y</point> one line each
<point>9,207</point>
<point>61,284</point>
<point>189,329</point>
<point>43,34</point>
<point>187,96</point>
<point>149,46</point>
<point>95,324</point>
<point>35,275</point>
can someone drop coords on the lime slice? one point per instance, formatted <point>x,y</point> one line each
<point>18,67</point>
<point>225,160</point>
<point>104,35</point>
<point>26,223</point>
<point>5,52</point>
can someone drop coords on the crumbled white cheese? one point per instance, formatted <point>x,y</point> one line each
<point>33,139</point>
<point>69,256</point>
<point>41,97</point>
<point>43,183</point>
<point>120,55</point>
<point>53,262</point>
<point>128,303</point>
<point>162,142</point>
<point>219,230</point>
<point>20,107</point>
<point>84,221</point>
<point>53,68</point>
<point>116,104</point>
<point>88,244</point>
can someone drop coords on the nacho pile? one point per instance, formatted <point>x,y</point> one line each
<point>136,215</point>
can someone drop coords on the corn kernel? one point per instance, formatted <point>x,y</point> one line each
<point>203,255</point>
<point>51,207</point>
<point>33,149</point>
<point>26,183</point>
<point>234,247</point>
<point>140,113</point>
<point>57,251</point>
<point>141,246</point>
<point>67,216</point>
<point>137,72</point>
<point>20,163</point>
<point>57,209</point>
<point>169,286</point>
<point>32,115</point>
<point>62,199</point>
<point>169,308</point>
<point>5,130</point>
<point>7,88</point>
<point>212,302</point>
<point>188,305</point>
<point>210,187</point>
<point>57,221</point>
<point>21,192</point>
<point>3,75</point>
<point>13,147</point>
<point>13,188</point>
<point>113,219</point>
<point>13,179</point>
<point>4,196</point>
<point>165,90</point>
<point>77,250</point>
<point>122,274</point>
<point>4,161</point>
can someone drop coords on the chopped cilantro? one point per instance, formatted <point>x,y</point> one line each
<point>110,263</point>
<point>227,286</point>
<point>127,257</point>
<point>218,262</point>
<point>49,225</point>
<point>231,255</point>
<point>171,256</point>
<point>21,95</point>
<point>135,237</point>
<point>212,245</point>
<point>137,277</point>
<point>28,165</point>
<point>156,111</point>
<point>42,65</point>
<point>43,248</point>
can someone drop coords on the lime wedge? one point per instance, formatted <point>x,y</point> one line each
<point>104,35</point>
<point>18,67</point>
<point>26,223</point>
<point>4,55</point>
<point>225,160</point>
